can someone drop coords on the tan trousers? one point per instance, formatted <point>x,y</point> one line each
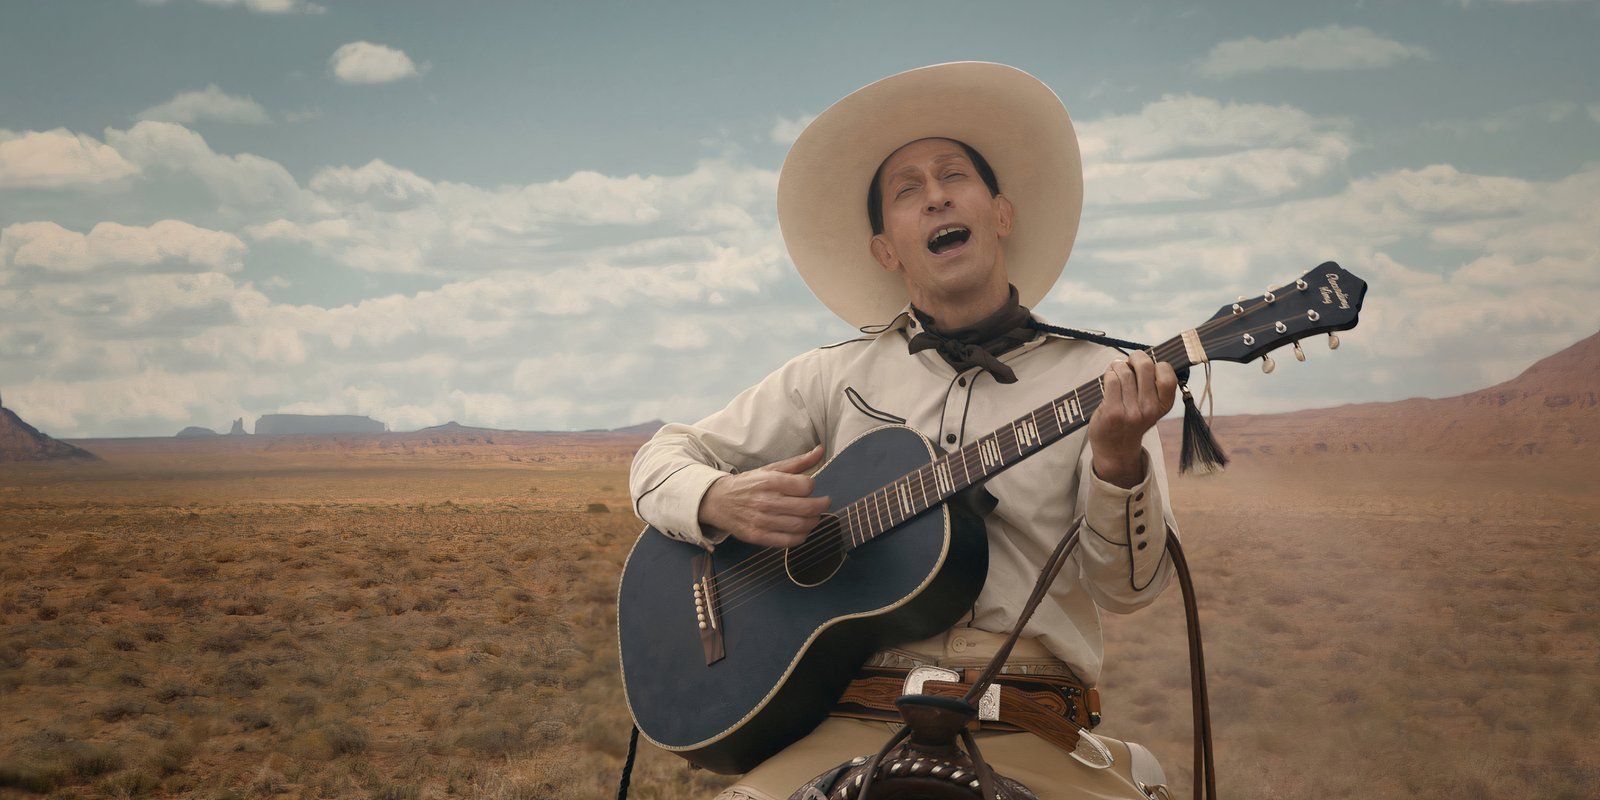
<point>1051,773</point>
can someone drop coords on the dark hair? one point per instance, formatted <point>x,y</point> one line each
<point>875,197</point>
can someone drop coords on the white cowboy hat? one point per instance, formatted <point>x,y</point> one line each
<point>1010,117</point>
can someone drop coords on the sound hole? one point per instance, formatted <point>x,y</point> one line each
<point>816,559</point>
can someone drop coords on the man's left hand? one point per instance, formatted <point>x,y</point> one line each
<point>1137,393</point>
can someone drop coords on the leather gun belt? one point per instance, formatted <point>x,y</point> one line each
<point>1051,707</point>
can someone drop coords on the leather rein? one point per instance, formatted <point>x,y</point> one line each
<point>1205,784</point>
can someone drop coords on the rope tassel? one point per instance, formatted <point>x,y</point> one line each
<point>1198,441</point>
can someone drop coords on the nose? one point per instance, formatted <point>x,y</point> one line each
<point>936,197</point>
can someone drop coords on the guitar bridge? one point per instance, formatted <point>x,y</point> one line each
<point>706,611</point>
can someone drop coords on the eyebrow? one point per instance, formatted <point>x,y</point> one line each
<point>897,174</point>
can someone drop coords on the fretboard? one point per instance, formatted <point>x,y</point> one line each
<point>927,486</point>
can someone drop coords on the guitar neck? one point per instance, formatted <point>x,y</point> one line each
<point>927,486</point>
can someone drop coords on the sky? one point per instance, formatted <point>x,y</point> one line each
<point>561,216</point>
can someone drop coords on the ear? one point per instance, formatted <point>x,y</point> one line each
<point>1003,215</point>
<point>883,253</point>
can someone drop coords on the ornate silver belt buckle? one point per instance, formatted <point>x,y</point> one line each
<point>988,705</point>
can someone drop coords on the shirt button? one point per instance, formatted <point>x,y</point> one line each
<point>961,381</point>
<point>1138,497</point>
<point>959,645</point>
<point>950,437</point>
<point>1139,529</point>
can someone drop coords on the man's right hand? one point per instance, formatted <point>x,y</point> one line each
<point>770,506</point>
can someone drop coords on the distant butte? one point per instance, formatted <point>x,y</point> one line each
<point>641,429</point>
<point>20,441</point>
<point>1551,409</point>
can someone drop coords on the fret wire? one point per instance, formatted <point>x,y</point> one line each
<point>886,509</point>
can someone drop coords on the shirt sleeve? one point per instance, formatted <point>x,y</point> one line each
<point>779,417</point>
<point>1123,547</point>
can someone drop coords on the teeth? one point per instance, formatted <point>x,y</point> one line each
<point>943,231</point>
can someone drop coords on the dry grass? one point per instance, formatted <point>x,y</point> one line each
<point>292,624</point>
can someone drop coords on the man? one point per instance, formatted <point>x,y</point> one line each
<point>971,183</point>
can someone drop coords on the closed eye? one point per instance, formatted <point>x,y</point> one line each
<point>908,187</point>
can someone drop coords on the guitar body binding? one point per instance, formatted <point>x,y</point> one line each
<point>789,649</point>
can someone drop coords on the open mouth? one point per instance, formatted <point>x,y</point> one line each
<point>948,238</point>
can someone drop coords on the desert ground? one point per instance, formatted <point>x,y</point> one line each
<point>316,617</point>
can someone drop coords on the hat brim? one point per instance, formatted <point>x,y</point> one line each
<point>1010,117</point>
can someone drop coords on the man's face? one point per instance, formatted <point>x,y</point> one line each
<point>941,227</point>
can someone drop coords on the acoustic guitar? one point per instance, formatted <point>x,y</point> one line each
<point>732,655</point>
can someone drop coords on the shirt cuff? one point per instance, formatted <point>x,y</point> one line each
<point>1122,516</point>
<point>676,502</point>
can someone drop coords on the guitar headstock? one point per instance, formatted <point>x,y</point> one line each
<point>1323,300</point>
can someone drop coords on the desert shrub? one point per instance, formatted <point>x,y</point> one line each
<point>495,738</point>
<point>171,757</point>
<point>297,705</point>
<point>119,709</point>
<point>133,783</point>
<point>336,738</point>
<point>169,692</point>
<point>13,655</point>
<point>240,678</point>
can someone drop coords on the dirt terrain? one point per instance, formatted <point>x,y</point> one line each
<point>430,616</point>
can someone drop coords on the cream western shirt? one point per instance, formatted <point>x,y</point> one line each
<point>834,393</point>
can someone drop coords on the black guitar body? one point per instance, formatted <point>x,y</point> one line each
<point>789,650</point>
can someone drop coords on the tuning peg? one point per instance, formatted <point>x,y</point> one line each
<point>1300,283</point>
<point>1268,365</point>
<point>1299,355</point>
<point>1333,341</point>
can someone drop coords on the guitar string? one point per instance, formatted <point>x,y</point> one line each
<point>818,546</point>
<point>810,559</point>
<point>764,555</point>
<point>737,578</point>
<point>1205,327</point>
<point>814,550</point>
<point>804,556</point>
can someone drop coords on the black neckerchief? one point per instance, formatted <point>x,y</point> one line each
<point>978,344</point>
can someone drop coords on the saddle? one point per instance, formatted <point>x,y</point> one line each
<point>934,755</point>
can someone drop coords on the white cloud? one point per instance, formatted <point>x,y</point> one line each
<point>258,6</point>
<point>49,246</point>
<point>677,287</point>
<point>377,183</point>
<point>210,103</point>
<point>56,159</point>
<point>786,130</point>
<point>1465,270</point>
<point>241,180</point>
<point>1511,119</point>
<point>1184,124</point>
<point>1186,148</point>
<point>1331,47</point>
<point>381,218</point>
<point>366,62</point>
